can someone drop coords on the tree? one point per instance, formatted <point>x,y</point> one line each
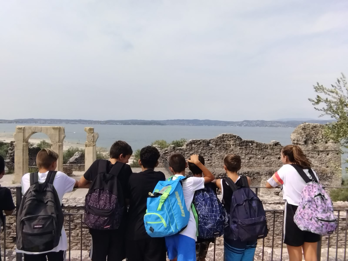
<point>334,103</point>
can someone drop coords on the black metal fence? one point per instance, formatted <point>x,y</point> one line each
<point>332,247</point>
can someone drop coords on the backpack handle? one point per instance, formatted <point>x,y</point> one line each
<point>304,175</point>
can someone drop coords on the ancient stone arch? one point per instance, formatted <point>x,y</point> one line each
<point>22,136</point>
<point>90,147</point>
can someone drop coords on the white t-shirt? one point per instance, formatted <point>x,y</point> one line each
<point>189,187</point>
<point>292,182</point>
<point>63,184</point>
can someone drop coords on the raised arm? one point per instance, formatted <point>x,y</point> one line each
<point>208,176</point>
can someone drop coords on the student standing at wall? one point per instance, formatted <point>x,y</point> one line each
<point>109,244</point>
<point>293,184</point>
<point>46,161</point>
<point>182,246</point>
<point>6,201</point>
<point>202,244</point>
<point>140,246</point>
<point>234,250</point>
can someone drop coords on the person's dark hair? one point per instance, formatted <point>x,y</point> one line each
<point>177,162</point>
<point>232,162</point>
<point>120,147</point>
<point>193,167</point>
<point>149,156</point>
<point>296,155</point>
<point>2,164</point>
<point>45,158</point>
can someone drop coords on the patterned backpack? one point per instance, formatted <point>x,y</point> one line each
<point>315,211</point>
<point>212,217</point>
<point>104,204</point>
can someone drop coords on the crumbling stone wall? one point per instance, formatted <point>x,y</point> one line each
<point>260,160</point>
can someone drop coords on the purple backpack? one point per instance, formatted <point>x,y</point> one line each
<point>104,204</point>
<point>315,211</point>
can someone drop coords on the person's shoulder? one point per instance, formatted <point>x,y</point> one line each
<point>60,173</point>
<point>287,168</point>
<point>4,191</point>
<point>159,173</point>
<point>26,177</point>
<point>194,181</point>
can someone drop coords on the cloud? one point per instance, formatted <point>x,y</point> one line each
<point>228,60</point>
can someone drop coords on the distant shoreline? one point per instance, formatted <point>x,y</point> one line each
<point>8,137</point>
<point>179,122</point>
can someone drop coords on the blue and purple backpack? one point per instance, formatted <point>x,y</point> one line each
<point>315,211</point>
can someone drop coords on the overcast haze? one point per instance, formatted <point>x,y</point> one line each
<point>224,60</point>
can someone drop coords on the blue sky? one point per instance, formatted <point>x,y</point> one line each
<point>225,60</point>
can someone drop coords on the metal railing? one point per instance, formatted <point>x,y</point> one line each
<point>332,247</point>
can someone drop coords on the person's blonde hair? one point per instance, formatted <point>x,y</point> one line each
<point>45,158</point>
<point>296,155</point>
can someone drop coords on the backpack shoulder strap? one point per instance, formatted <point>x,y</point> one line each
<point>34,178</point>
<point>245,183</point>
<point>50,177</point>
<point>231,184</point>
<point>302,173</point>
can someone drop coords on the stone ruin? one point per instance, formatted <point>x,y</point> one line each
<point>259,160</point>
<point>19,155</point>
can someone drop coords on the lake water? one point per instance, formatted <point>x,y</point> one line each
<point>140,136</point>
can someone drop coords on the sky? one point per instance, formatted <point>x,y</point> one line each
<point>158,59</point>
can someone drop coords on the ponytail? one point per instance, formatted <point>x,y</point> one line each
<point>296,155</point>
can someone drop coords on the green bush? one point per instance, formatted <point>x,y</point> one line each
<point>179,143</point>
<point>70,152</point>
<point>162,144</point>
<point>339,194</point>
<point>135,163</point>
<point>3,149</point>
<point>44,145</point>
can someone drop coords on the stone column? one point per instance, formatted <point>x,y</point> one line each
<point>21,155</point>
<point>90,147</point>
<point>58,148</point>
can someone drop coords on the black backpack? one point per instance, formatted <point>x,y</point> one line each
<point>247,218</point>
<point>104,205</point>
<point>40,216</point>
